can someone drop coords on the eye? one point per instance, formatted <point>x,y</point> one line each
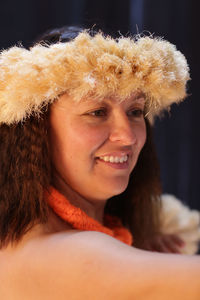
<point>98,112</point>
<point>136,113</point>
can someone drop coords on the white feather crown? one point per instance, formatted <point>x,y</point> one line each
<point>90,66</point>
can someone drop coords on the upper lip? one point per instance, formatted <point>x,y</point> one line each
<point>116,153</point>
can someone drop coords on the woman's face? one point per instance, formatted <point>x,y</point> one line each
<point>95,145</point>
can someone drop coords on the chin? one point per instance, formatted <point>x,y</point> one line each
<point>117,189</point>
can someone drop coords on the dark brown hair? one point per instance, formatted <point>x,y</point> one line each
<point>25,170</point>
<point>24,173</point>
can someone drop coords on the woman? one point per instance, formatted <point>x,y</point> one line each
<point>79,173</point>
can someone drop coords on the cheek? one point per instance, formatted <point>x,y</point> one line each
<point>79,152</point>
<point>144,137</point>
<point>87,139</point>
<point>141,135</point>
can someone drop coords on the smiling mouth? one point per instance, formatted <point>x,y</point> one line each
<point>114,161</point>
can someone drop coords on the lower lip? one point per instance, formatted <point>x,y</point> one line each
<point>123,165</point>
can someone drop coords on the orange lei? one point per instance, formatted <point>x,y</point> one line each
<point>78,219</point>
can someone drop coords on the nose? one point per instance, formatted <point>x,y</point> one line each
<point>122,130</point>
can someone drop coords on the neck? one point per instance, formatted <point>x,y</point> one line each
<point>93,208</point>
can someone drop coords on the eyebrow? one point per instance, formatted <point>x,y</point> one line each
<point>139,98</point>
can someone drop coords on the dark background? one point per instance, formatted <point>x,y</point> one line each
<point>176,136</point>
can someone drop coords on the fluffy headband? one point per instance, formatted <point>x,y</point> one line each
<point>96,66</point>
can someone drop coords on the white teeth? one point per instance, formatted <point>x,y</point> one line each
<point>126,158</point>
<point>112,159</point>
<point>121,160</point>
<point>106,158</point>
<point>115,159</point>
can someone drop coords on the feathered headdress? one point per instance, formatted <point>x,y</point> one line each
<point>96,66</point>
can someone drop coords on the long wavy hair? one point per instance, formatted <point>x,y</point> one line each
<point>25,171</point>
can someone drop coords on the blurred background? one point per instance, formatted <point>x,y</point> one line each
<point>177,135</point>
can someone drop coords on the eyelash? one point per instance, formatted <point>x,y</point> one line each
<point>137,113</point>
<point>98,110</point>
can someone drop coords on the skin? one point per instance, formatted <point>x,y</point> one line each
<point>165,243</point>
<point>92,265</point>
<point>80,133</point>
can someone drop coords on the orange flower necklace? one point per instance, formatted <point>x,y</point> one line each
<point>78,219</point>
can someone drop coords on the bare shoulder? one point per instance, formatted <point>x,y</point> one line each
<point>52,267</point>
<point>73,248</point>
<point>71,243</point>
<point>93,265</point>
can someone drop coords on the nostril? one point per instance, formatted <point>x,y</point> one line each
<point>126,137</point>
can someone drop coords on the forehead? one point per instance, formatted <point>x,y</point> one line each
<point>134,97</point>
<point>68,103</point>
